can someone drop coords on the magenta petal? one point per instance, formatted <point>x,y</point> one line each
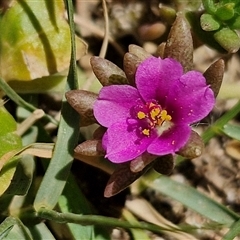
<point>122,144</point>
<point>114,104</point>
<point>171,141</point>
<point>190,100</point>
<point>155,76</point>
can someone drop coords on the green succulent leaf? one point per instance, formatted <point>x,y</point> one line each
<point>235,23</point>
<point>225,12</point>
<point>209,23</point>
<point>228,39</point>
<point>209,6</point>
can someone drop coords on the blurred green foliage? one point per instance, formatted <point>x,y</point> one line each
<point>223,19</point>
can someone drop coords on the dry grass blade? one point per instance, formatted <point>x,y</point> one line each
<point>146,212</point>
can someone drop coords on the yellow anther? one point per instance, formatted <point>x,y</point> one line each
<point>168,118</point>
<point>146,132</point>
<point>154,118</point>
<point>155,112</point>
<point>165,116</point>
<point>141,115</point>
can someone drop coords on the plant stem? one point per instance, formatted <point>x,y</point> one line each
<point>97,220</point>
<point>20,101</point>
<point>219,124</point>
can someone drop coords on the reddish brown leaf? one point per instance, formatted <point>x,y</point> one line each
<point>130,64</point>
<point>121,178</point>
<point>193,148</point>
<point>90,148</point>
<point>139,52</point>
<point>214,75</point>
<point>139,163</point>
<point>99,132</point>
<point>179,44</point>
<point>107,72</point>
<point>82,101</point>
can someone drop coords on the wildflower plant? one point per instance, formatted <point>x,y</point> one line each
<point>147,110</point>
<point>146,117</point>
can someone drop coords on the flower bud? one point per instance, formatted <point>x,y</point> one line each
<point>139,52</point>
<point>193,148</point>
<point>130,64</point>
<point>121,178</point>
<point>139,163</point>
<point>90,148</point>
<point>214,75</point>
<point>82,101</point>
<point>107,72</point>
<point>179,44</point>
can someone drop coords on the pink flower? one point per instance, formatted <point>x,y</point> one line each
<point>154,117</point>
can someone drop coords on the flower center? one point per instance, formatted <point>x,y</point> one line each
<point>152,116</point>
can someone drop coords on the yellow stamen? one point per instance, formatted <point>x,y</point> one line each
<point>141,115</point>
<point>155,118</point>
<point>146,132</point>
<point>165,116</point>
<point>154,112</point>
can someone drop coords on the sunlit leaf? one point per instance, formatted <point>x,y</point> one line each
<point>10,142</point>
<point>13,228</point>
<point>49,84</point>
<point>6,226</point>
<point>35,40</point>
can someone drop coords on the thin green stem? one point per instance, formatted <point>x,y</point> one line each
<point>20,101</point>
<point>97,220</point>
<point>72,74</point>
<point>219,124</point>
